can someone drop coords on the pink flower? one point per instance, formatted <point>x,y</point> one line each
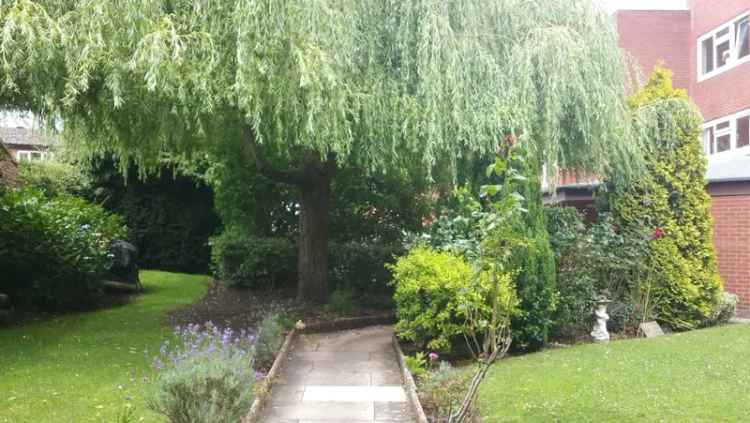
<point>658,233</point>
<point>433,356</point>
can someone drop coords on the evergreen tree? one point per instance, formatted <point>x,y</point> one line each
<point>670,199</point>
<point>535,284</point>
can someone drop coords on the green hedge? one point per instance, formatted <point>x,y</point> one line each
<point>256,262</point>
<point>171,216</point>
<point>53,252</point>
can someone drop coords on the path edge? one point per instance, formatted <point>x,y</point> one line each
<point>408,381</point>
<point>267,384</point>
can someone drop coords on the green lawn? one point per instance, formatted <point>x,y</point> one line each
<point>696,376</point>
<point>82,367</point>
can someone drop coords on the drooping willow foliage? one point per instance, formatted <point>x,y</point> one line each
<point>378,82</point>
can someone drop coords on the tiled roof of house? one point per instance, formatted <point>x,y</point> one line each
<point>24,136</point>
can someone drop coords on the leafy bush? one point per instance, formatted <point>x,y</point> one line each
<point>576,288</point>
<point>54,252</point>
<point>602,258</point>
<point>681,283</point>
<point>247,261</point>
<point>724,309</point>
<point>362,267</point>
<point>417,364</point>
<point>55,178</point>
<point>171,215</point>
<point>441,391</point>
<point>431,294</point>
<point>439,297</point>
<point>342,302</point>
<point>535,283</point>
<point>205,376</point>
<point>459,230</point>
<point>253,262</point>
<point>270,338</point>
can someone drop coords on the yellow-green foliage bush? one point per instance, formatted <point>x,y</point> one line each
<point>682,283</point>
<point>435,293</point>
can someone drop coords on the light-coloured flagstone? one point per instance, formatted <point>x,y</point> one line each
<point>349,376</point>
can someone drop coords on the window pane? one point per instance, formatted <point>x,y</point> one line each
<point>722,125</point>
<point>708,140</point>
<point>743,38</point>
<point>723,143</point>
<point>743,131</point>
<point>722,54</point>
<point>708,55</point>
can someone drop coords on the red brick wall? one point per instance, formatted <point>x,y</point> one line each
<point>732,242</point>
<point>728,92</point>
<point>651,36</point>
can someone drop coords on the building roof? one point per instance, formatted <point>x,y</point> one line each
<point>24,136</point>
<point>736,169</point>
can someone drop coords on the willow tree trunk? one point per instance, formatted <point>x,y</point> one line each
<point>312,264</point>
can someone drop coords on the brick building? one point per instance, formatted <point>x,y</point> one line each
<point>26,144</point>
<point>707,46</point>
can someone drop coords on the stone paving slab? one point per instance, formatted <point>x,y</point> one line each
<point>349,376</point>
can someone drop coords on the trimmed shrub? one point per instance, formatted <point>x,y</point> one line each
<point>681,284</point>
<point>431,292</point>
<point>438,295</point>
<point>256,262</point>
<point>206,376</point>
<point>54,252</point>
<point>361,266</point>
<point>171,215</point>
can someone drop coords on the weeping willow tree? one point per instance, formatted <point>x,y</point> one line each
<point>302,88</point>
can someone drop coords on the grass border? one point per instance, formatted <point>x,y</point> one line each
<point>409,386</point>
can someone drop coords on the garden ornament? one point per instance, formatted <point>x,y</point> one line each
<point>600,333</point>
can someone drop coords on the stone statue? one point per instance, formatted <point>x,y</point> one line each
<point>123,267</point>
<point>600,333</point>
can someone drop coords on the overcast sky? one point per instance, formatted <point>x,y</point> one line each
<point>613,5</point>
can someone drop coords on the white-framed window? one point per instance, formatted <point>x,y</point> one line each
<point>33,155</point>
<point>724,47</point>
<point>727,135</point>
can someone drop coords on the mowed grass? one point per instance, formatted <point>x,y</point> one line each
<point>85,367</point>
<point>698,376</point>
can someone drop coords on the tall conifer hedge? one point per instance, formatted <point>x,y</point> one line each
<point>682,284</point>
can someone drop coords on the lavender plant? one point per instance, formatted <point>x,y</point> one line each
<point>204,375</point>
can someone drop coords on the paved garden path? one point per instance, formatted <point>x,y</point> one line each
<point>349,376</point>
